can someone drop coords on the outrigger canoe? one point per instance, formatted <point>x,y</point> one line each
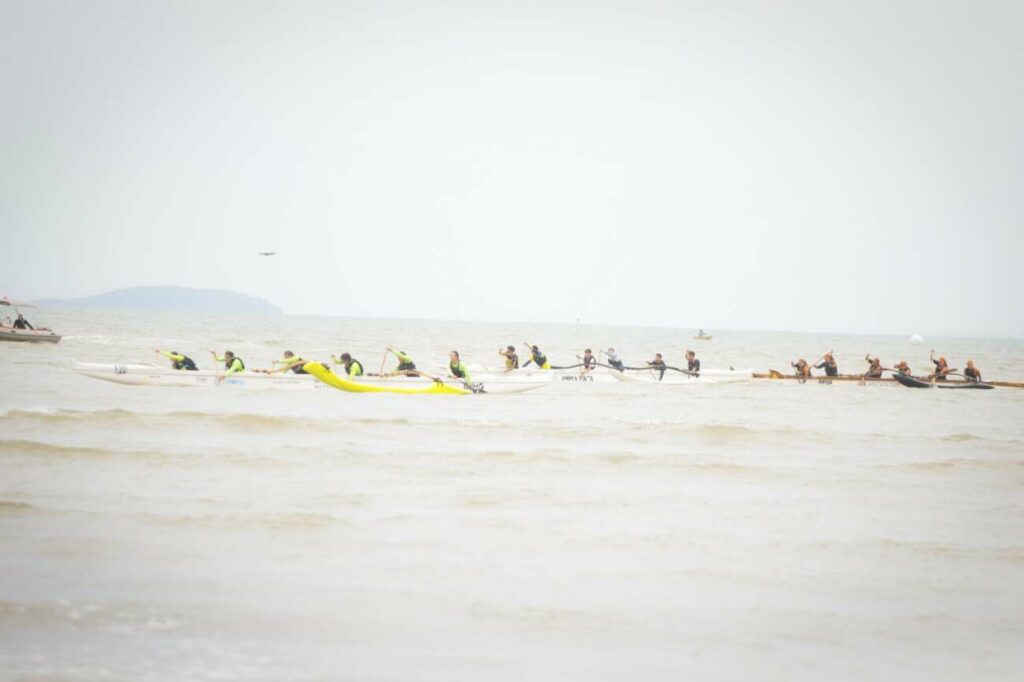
<point>858,380</point>
<point>422,385</point>
<point>147,374</point>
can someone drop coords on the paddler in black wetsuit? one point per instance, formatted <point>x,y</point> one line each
<point>803,370</point>
<point>353,367</point>
<point>658,364</point>
<point>588,361</point>
<point>511,358</point>
<point>903,368</point>
<point>828,363</point>
<point>941,367</point>
<point>971,372</point>
<point>692,363</point>
<point>536,357</point>
<point>874,368</point>
<point>179,361</point>
<point>22,323</point>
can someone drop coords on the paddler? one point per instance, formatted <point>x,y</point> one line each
<point>657,364</point>
<point>457,367</point>
<point>588,361</point>
<point>536,357</point>
<point>405,364</point>
<point>178,361</point>
<point>613,359</point>
<point>903,368</point>
<point>692,363</point>
<point>874,368</point>
<point>941,367</point>
<point>22,323</point>
<point>511,358</point>
<point>232,363</point>
<point>803,369</point>
<point>353,367</point>
<point>971,372</point>
<point>828,363</point>
<point>291,362</point>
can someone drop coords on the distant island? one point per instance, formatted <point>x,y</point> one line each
<point>171,299</point>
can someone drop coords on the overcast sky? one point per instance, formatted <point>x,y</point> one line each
<point>820,166</point>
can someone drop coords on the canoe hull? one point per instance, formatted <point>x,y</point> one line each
<point>424,386</point>
<point>914,382</point>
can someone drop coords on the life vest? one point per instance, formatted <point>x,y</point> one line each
<point>540,359</point>
<point>187,364</point>
<point>354,368</point>
<point>229,364</point>
<point>589,363</point>
<point>457,370</point>
<point>512,362</point>
<point>297,367</point>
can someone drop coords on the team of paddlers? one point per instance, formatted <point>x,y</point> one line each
<point>875,369</point>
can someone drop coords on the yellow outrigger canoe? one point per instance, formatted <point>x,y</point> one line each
<point>322,374</point>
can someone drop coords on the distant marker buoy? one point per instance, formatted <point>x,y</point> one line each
<point>917,339</point>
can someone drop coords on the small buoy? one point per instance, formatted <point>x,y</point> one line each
<point>917,339</point>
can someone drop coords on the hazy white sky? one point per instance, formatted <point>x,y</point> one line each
<point>852,166</point>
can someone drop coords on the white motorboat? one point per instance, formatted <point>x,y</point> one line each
<point>10,313</point>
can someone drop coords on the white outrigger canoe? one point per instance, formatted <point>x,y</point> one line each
<point>556,377</point>
<point>148,374</point>
<point>672,378</point>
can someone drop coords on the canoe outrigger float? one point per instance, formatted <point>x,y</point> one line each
<point>857,380</point>
<point>420,385</point>
<point>9,333</point>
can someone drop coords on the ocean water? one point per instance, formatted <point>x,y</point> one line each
<point>762,530</point>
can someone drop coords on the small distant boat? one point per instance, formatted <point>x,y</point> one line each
<point>8,332</point>
<point>701,336</point>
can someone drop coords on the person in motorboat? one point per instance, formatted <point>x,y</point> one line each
<point>232,363</point>
<point>405,364</point>
<point>511,358</point>
<point>828,363</point>
<point>874,368</point>
<point>692,363</point>
<point>613,359</point>
<point>658,365</point>
<point>803,369</point>
<point>971,372</point>
<point>457,368</point>
<point>902,368</point>
<point>536,357</point>
<point>178,360</point>
<point>290,362</point>
<point>353,367</point>
<point>941,367</point>
<point>588,361</point>
<point>22,323</point>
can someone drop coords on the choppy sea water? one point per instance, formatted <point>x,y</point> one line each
<point>762,530</point>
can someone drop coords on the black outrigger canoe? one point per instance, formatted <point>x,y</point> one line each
<point>914,382</point>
